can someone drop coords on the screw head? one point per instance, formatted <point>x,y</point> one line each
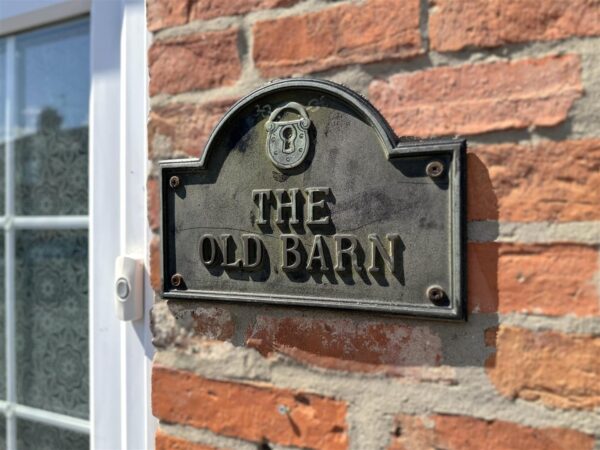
<point>434,169</point>
<point>176,280</point>
<point>174,181</point>
<point>436,294</point>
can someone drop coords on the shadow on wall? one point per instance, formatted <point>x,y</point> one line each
<point>365,341</point>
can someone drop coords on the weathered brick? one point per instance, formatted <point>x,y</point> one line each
<point>254,413</point>
<point>194,61</point>
<point>557,369</point>
<point>490,335</point>
<point>168,13</point>
<point>482,279</point>
<point>153,197</point>
<point>336,36</point>
<point>165,441</point>
<point>553,280</point>
<point>166,333</point>
<point>154,256</point>
<point>346,344</point>
<point>438,431</point>
<point>456,24</point>
<point>183,127</point>
<point>551,181</point>
<point>209,9</point>
<point>477,98</point>
<point>208,322</point>
<point>180,323</point>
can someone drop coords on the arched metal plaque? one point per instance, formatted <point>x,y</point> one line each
<point>304,196</point>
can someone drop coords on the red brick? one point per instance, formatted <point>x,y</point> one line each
<point>346,344</point>
<point>456,24</point>
<point>554,280</point>
<point>490,335</point>
<point>478,98</point>
<point>254,413</point>
<point>194,61</point>
<point>209,9</point>
<point>183,127</point>
<point>557,369</point>
<point>153,196</point>
<point>551,280</point>
<point>168,13</point>
<point>336,36</point>
<point>482,278</point>
<point>165,441</point>
<point>154,255</point>
<point>468,433</point>
<point>551,181</point>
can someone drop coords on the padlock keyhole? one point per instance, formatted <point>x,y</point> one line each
<point>287,134</point>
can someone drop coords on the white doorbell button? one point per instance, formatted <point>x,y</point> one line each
<point>129,288</point>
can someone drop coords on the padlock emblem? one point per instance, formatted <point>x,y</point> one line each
<point>287,140</point>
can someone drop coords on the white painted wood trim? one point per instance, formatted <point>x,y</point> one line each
<point>121,352</point>
<point>136,341</point>
<point>104,225</point>
<point>44,16</point>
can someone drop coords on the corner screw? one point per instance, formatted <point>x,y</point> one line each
<point>174,182</point>
<point>176,280</point>
<point>434,169</point>
<point>435,294</point>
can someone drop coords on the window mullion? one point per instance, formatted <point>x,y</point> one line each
<point>50,222</point>
<point>50,418</point>
<point>9,244</point>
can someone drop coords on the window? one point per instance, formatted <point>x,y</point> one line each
<point>44,368</point>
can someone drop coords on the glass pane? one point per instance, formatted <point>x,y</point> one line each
<point>2,119</point>
<point>51,149</point>
<point>37,436</point>
<point>52,320</point>
<point>2,432</point>
<point>2,347</point>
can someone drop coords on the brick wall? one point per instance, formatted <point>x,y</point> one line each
<point>520,80</point>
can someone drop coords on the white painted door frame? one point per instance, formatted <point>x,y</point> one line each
<point>121,352</point>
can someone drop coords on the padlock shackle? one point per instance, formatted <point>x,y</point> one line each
<point>291,105</point>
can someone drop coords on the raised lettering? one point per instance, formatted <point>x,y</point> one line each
<point>350,251</point>
<point>311,205</point>
<point>212,245</point>
<point>258,251</point>
<point>317,254</point>
<point>286,251</point>
<point>263,196</point>
<point>225,239</point>
<point>377,247</point>
<point>292,193</point>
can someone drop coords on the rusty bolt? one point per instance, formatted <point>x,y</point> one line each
<point>435,294</point>
<point>176,279</point>
<point>434,169</point>
<point>174,182</point>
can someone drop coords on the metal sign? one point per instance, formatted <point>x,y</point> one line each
<point>304,196</point>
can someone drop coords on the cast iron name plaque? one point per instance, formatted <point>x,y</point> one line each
<point>304,196</point>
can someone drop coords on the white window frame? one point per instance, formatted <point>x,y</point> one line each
<point>120,352</point>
